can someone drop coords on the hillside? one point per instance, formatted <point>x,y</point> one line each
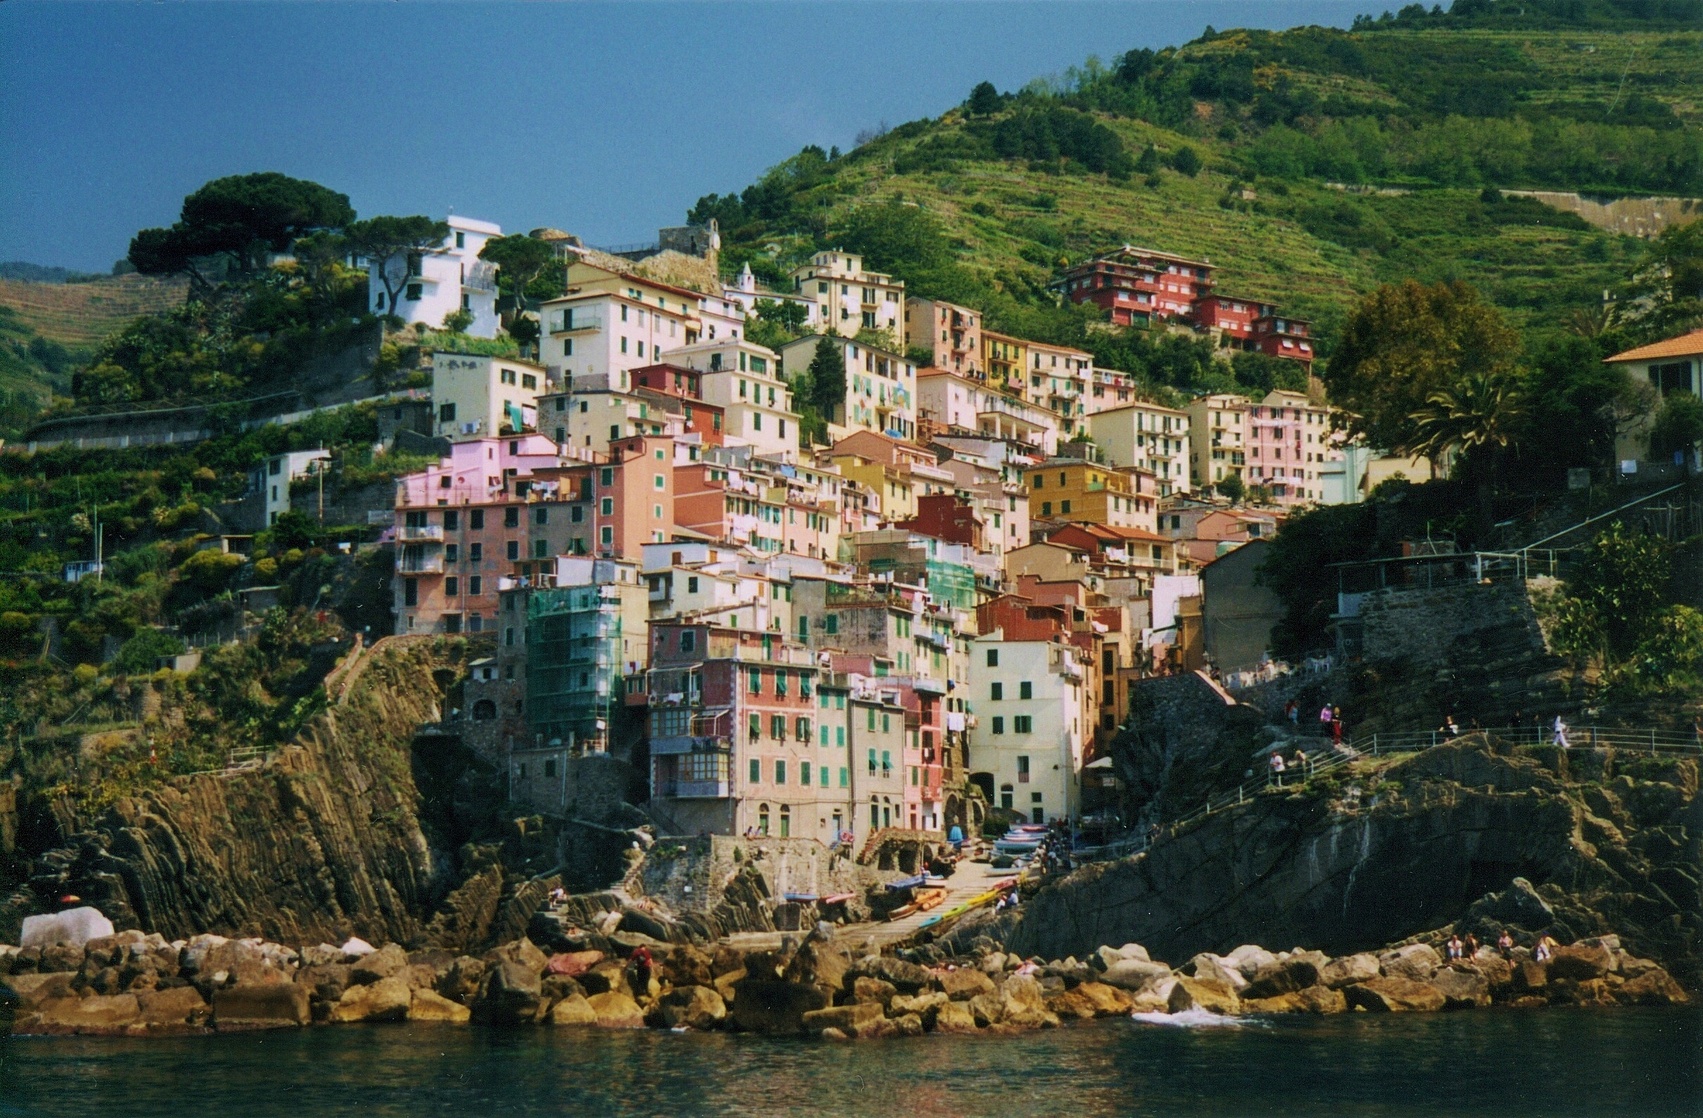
<point>1309,165</point>
<point>83,314</point>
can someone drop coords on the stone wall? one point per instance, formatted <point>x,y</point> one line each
<point>693,874</point>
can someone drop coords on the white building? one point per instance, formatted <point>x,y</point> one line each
<point>848,299</point>
<point>475,396</point>
<point>954,403</point>
<point>271,478</point>
<point>442,282</point>
<point>1217,438</point>
<point>747,292</point>
<point>743,379</point>
<point>1058,379</point>
<point>1028,701</point>
<point>1146,436</point>
<point>880,386</point>
<point>609,323</point>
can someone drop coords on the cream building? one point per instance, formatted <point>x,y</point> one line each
<point>849,299</point>
<point>1217,438</point>
<point>475,396</point>
<point>1029,702</point>
<point>1149,437</point>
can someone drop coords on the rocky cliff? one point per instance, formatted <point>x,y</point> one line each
<point>322,842</point>
<point>1397,848</point>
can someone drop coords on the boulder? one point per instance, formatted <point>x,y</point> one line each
<point>877,992</point>
<point>908,1024</point>
<point>321,955</point>
<point>1217,968</point>
<point>1348,970</point>
<point>1461,987</point>
<point>1104,957</point>
<point>726,960</point>
<point>986,1009</point>
<point>955,1017</point>
<point>522,952</point>
<point>1133,974</point>
<point>725,984</point>
<point>847,1018</point>
<point>34,990</point>
<point>1198,993</point>
<point>962,985</point>
<point>925,1006</point>
<point>1135,951</point>
<point>1155,997</point>
<point>1091,999</point>
<point>1416,961</point>
<point>508,995</point>
<point>686,965</point>
<point>109,951</point>
<point>384,1000</point>
<point>383,963</point>
<point>768,1005</point>
<point>616,1011</point>
<point>73,927</point>
<point>461,982</point>
<point>96,1014</point>
<point>263,1006</point>
<point>905,977</point>
<point>180,1005</point>
<point>608,976</point>
<point>818,963</point>
<point>1651,987</point>
<point>1283,976</point>
<point>1249,958</point>
<point>1529,975</point>
<point>573,1010</point>
<point>1395,995</point>
<point>429,1005</point>
<point>1312,999</point>
<point>692,1007</point>
<point>1582,962</point>
<point>354,947</point>
<point>1023,1005</point>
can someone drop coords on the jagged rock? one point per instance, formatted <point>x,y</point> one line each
<point>1022,1004</point>
<point>1217,968</point>
<point>1155,997</point>
<point>955,1017</point>
<point>846,1018</point>
<point>687,965</point>
<point>1070,973</point>
<point>1652,987</point>
<point>1461,988</point>
<point>508,995</point>
<point>386,999</point>
<point>726,984</point>
<point>181,1005</point>
<point>869,1030</point>
<point>818,964</point>
<point>1196,993</point>
<point>725,960</point>
<point>925,1006</point>
<point>1312,999</point>
<point>1529,975</point>
<point>573,1010</point>
<point>1133,974</point>
<point>1349,969</point>
<point>325,982</point>
<point>616,1011</point>
<point>875,991</point>
<point>1091,999</point>
<point>33,990</point>
<point>429,1005</point>
<point>383,963</point>
<point>96,1014</point>
<point>764,1005</point>
<point>906,977</point>
<point>1284,976</point>
<point>1581,962</point>
<point>1249,958</point>
<point>355,947</point>
<point>60,957</point>
<point>265,1006</point>
<point>113,950</point>
<point>522,952</point>
<point>1518,905</point>
<point>962,985</point>
<point>322,954</point>
<point>609,975</point>
<point>986,1009</point>
<point>692,1007</point>
<point>908,1024</point>
<point>1395,995</point>
<point>460,983</point>
<point>1416,961</point>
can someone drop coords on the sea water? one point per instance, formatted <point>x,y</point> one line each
<point>1508,1063</point>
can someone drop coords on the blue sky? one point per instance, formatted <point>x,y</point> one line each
<point>605,119</point>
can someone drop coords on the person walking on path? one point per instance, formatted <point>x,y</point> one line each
<point>1292,711</point>
<point>1560,737</point>
<point>1277,769</point>
<point>1336,725</point>
<point>1325,718</point>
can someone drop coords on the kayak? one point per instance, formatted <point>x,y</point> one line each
<point>904,883</point>
<point>930,898</point>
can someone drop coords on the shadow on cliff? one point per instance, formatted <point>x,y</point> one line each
<point>1395,848</point>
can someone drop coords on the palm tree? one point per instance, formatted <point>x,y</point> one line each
<point>1476,416</point>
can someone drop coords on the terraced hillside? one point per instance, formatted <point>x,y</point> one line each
<point>81,315</point>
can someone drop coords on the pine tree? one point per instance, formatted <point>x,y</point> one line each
<point>828,377</point>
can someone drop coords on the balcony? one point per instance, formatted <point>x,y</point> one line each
<point>429,533</point>
<point>420,564</point>
<point>575,321</point>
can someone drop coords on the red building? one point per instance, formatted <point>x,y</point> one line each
<point>1138,286</point>
<point>1282,336</point>
<point>944,517</point>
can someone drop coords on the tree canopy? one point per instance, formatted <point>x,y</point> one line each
<point>234,222</point>
<point>389,244</point>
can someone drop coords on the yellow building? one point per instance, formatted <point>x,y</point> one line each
<point>1071,489</point>
<point>892,485</point>
<point>1005,358</point>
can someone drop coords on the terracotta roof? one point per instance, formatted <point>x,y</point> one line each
<point>1686,345</point>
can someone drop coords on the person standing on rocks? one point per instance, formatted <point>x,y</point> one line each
<point>1505,944</point>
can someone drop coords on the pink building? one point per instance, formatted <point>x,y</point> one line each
<point>1287,439</point>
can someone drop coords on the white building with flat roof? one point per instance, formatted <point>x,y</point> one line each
<point>1149,437</point>
<point>849,299</point>
<point>1027,743</point>
<point>443,281</point>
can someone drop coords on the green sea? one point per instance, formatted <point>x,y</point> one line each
<point>1508,1063</point>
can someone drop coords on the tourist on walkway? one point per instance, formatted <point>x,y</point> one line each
<point>1276,769</point>
<point>1326,717</point>
<point>1336,725</point>
<point>1300,761</point>
<point>1545,949</point>
<point>1560,729</point>
<point>1292,711</point>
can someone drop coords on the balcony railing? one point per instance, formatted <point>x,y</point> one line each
<point>420,564</point>
<point>432,533</point>
<point>575,320</point>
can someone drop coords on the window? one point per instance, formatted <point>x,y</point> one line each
<point>1022,769</point>
<point>886,763</point>
<point>802,729</point>
<point>692,584</point>
<point>1064,507</point>
<point>1025,690</point>
<point>831,623</point>
<point>996,691</point>
<point>606,535</point>
<point>451,520</point>
<point>452,586</point>
<point>1046,508</point>
<point>756,727</point>
<point>845,777</point>
<point>762,809</point>
<point>446,414</point>
<point>606,506</point>
<point>460,239</point>
<point>541,549</point>
<point>688,640</point>
<point>514,551</point>
<point>410,591</point>
<point>780,772</point>
<point>473,585</point>
<point>606,477</point>
<point>413,293</point>
<point>998,725</point>
<point>872,762</point>
<point>511,517</point>
<point>476,521</point>
<point>1022,724</point>
<point>756,681</point>
<point>993,657</point>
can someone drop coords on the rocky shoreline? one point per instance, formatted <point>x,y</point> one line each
<point>131,984</point>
